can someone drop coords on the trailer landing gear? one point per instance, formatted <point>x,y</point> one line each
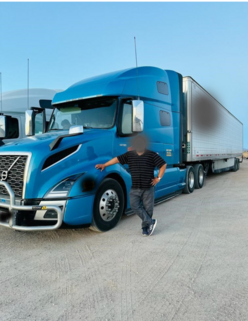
<point>236,165</point>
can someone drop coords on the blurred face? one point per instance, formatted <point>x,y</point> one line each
<point>139,144</point>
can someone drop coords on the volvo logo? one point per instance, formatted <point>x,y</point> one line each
<point>4,175</point>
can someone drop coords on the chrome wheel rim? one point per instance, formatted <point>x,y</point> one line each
<point>191,179</point>
<point>109,205</point>
<point>201,176</point>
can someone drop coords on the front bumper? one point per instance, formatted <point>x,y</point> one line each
<point>13,208</point>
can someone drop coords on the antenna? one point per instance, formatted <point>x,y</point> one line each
<point>1,97</point>
<point>28,84</point>
<point>137,71</point>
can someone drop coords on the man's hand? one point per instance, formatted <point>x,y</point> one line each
<point>109,163</point>
<point>100,166</point>
<point>155,181</point>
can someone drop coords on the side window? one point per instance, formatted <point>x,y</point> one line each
<point>14,128</point>
<point>162,87</point>
<point>165,118</point>
<point>126,124</point>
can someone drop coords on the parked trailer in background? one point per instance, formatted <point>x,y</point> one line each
<point>14,104</point>
<point>92,122</point>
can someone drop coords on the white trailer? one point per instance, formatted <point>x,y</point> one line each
<point>14,104</point>
<point>212,136</point>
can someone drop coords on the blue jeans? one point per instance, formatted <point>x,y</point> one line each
<point>142,203</point>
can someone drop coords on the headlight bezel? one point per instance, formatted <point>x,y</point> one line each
<point>62,189</point>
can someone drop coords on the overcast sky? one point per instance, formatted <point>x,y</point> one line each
<point>67,42</point>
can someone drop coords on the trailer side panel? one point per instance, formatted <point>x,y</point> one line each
<point>212,131</point>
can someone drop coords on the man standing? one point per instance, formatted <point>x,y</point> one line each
<point>142,163</point>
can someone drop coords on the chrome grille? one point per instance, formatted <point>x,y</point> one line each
<point>15,175</point>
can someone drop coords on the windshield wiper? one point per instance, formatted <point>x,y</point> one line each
<point>55,129</point>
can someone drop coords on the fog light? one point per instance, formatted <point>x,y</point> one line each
<point>52,213</point>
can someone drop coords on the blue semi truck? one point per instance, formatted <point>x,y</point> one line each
<point>50,179</point>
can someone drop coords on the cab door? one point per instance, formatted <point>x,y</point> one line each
<point>160,130</point>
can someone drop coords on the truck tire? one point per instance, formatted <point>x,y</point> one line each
<point>108,206</point>
<point>199,176</point>
<point>190,180</point>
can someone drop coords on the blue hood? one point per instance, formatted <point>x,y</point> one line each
<point>94,145</point>
<point>40,143</point>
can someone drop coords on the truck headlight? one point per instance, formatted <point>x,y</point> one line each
<point>62,189</point>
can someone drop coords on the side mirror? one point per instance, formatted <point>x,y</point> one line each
<point>35,121</point>
<point>29,123</point>
<point>138,116</point>
<point>3,127</point>
<point>8,127</point>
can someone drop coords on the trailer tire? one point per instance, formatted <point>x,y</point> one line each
<point>199,176</point>
<point>109,197</point>
<point>190,180</point>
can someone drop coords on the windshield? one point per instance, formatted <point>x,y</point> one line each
<point>90,113</point>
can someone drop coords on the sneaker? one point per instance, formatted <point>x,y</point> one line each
<point>152,227</point>
<point>144,231</point>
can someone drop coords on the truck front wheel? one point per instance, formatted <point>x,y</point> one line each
<point>189,180</point>
<point>199,176</point>
<point>108,206</point>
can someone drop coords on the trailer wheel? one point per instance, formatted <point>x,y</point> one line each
<point>199,176</point>
<point>190,180</point>
<point>108,206</point>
